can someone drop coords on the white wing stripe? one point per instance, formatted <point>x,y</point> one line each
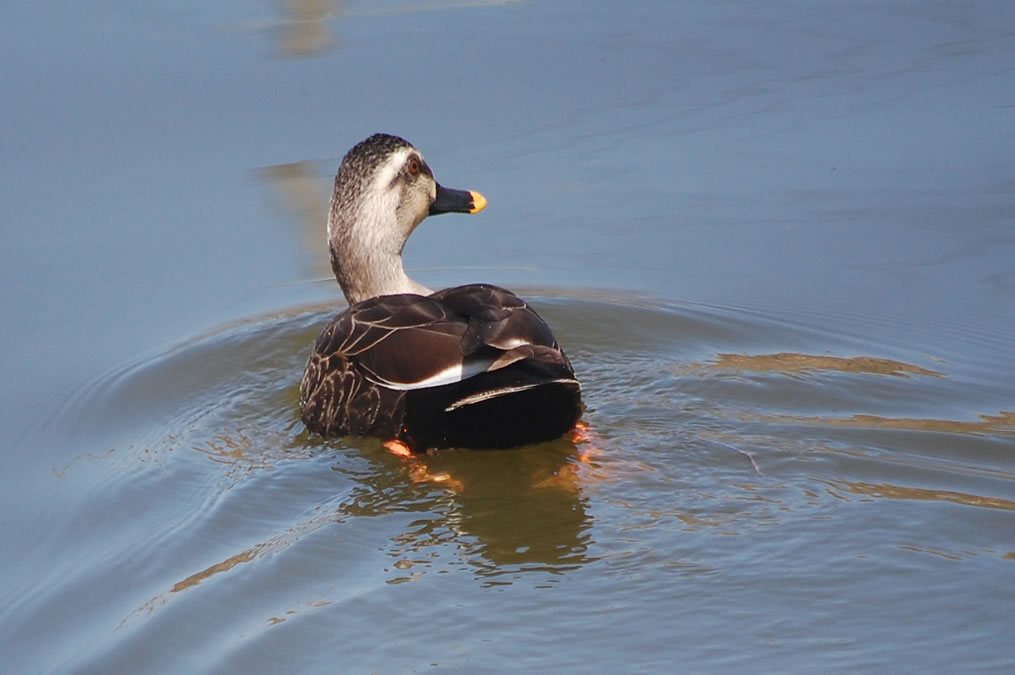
<point>455,373</point>
<point>512,343</point>
<point>503,391</point>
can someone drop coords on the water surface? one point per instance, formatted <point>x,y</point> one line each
<point>776,241</point>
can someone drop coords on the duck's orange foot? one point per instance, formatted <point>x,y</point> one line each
<point>582,435</point>
<point>399,448</point>
<point>419,473</point>
<point>418,470</point>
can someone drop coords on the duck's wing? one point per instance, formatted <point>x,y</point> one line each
<point>363,362</point>
<point>397,341</point>
<point>409,341</point>
<point>401,361</point>
<point>496,318</point>
<point>501,324</point>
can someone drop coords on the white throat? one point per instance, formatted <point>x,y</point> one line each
<point>366,239</point>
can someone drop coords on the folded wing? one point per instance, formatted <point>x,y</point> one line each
<point>410,342</point>
<point>400,362</point>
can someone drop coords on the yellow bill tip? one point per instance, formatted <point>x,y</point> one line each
<point>478,202</point>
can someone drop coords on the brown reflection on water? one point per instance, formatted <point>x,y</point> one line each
<point>513,511</point>
<point>890,491</point>
<point>789,362</point>
<point>305,31</point>
<point>1002,423</point>
<point>303,193</point>
<point>273,545</point>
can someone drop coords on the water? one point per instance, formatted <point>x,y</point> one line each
<point>776,242</point>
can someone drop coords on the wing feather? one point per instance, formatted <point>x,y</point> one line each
<point>408,341</point>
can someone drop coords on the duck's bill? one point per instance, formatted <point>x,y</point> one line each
<point>458,201</point>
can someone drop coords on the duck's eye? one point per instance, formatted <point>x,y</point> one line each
<point>413,166</point>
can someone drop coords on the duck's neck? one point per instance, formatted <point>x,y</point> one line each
<point>366,253</point>
<point>365,275</point>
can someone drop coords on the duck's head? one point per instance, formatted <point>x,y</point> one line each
<point>383,190</point>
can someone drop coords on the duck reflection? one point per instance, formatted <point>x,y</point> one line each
<point>507,511</point>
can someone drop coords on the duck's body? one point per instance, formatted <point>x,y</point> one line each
<point>471,366</point>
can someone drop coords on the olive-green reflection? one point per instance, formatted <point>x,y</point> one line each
<point>890,491</point>
<point>790,362</point>
<point>305,31</point>
<point>518,510</point>
<point>1003,423</point>
<point>275,544</point>
<point>301,189</point>
<point>505,511</point>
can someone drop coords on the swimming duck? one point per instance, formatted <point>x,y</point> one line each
<point>470,367</point>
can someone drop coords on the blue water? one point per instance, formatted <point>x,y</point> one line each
<point>670,183</point>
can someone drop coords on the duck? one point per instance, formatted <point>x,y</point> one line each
<point>470,366</point>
